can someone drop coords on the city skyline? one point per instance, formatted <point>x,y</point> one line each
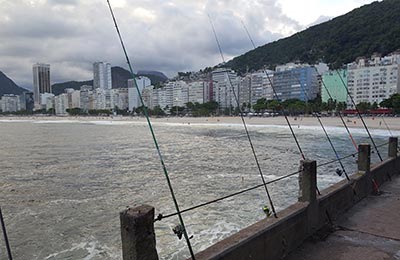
<point>154,42</point>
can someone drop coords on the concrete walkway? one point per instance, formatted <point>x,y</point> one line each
<point>368,231</point>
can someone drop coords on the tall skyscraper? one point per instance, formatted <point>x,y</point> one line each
<point>102,75</point>
<point>41,81</point>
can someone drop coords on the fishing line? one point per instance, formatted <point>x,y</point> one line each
<point>161,216</point>
<point>244,122</point>
<point>326,133</point>
<point>153,135</point>
<point>277,98</point>
<point>359,114</point>
<point>339,113</point>
<point>387,126</point>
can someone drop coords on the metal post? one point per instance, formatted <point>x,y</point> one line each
<point>137,233</point>
<point>393,142</point>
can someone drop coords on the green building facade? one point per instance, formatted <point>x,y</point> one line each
<point>334,85</point>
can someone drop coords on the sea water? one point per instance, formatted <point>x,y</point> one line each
<point>63,183</point>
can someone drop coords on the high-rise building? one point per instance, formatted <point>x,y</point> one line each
<point>180,94</point>
<point>41,81</point>
<point>198,91</point>
<point>86,98</point>
<point>373,80</point>
<point>102,75</point>
<point>225,87</point>
<point>119,98</point>
<point>26,101</point>
<point>10,103</point>
<point>46,101</point>
<point>133,96</point>
<point>296,81</point>
<point>335,84</point>
<point>61,104</point>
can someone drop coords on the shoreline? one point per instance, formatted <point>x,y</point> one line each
<point>352,122</point>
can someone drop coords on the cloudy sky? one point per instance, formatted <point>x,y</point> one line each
<point>164,35</point>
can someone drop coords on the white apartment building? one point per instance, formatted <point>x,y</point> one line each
<point>86,98</point>
<point>257,87</point>
<point>119,98</point>
<point>47,101</point>
<point>165,95</point>
<point>102,75</point>
<point>61,104</point>
<point>134,100</point>
<point>10,103</point>
<point>245,90</point>
<point>180,93</point>
<point>224,94</point>
<point>373,80</point>
<point>267,87</point>
<point>149,96</point>
<point>225,87</point>
<point>74,99</point>
<point>198,91</point>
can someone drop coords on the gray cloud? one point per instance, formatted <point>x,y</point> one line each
<point>169,36</point>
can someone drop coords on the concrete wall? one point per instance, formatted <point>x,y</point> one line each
<point>274,238</point>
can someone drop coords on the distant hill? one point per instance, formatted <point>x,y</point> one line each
<point>119,79</point>
<point>154,76</point>
<point>7,86</point>
<point>361,32</point>
<point>58,88</point>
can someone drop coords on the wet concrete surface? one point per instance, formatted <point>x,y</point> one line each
<point>370,230</point>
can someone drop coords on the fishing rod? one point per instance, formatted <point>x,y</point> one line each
<point>244,122</point>
<point>387,126</point>
<point>359,114</point>
<point>3,227</point>
<point>183,229</point>
<point>339,113</point>
<point>330,96</point>
<point>277,98</point>
<point>375,185</point>
<point>326,133</point>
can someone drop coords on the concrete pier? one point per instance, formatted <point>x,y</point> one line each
<point>368,231</point>
<point>316,216</point>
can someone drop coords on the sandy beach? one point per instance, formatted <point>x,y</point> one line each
<point>352,122</point>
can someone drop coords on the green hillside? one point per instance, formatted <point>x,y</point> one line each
<point>363,31</point>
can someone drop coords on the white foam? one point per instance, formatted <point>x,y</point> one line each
<point>89,246</point>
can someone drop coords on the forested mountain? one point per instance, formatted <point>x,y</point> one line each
<point>361,32</point>
<point>7,86</point>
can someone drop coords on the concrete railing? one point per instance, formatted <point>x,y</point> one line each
<point>274,238</point>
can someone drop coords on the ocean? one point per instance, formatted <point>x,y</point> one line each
<point>64,182</point>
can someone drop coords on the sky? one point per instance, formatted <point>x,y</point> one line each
<point>163,35</point>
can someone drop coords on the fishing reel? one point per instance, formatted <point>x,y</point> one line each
<point>339,172</point>
<point>179,231</point>
<point>267,211</point>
